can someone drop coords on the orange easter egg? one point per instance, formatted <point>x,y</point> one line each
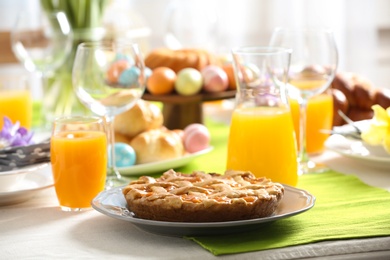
<point>228,68</point>
<point>161,81</point>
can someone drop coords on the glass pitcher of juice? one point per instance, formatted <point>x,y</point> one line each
<point>262,138</point>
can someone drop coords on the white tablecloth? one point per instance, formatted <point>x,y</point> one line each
<point>38,229</point>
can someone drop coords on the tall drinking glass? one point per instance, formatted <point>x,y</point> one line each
<point>15,100</point>
<point>313,66</point>
<point>108,78</point>
<point>261,138</point>
<point>78,158</point>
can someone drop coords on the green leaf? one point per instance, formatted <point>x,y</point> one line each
<point>64,5</point>
<point>47,5</point>
<point>79,10</point>
<point>81,13</point>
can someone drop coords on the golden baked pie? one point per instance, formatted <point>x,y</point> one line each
<point>202,197</point>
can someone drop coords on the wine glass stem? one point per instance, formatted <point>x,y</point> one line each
<point>45,118</point>
<point>112,172</point>
<point>303,157</point>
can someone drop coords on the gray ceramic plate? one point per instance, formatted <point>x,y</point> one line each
<point>112,203</point>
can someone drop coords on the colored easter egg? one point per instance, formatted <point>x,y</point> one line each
<point>215,79</point>
<point>115,70</point>
<point>196,137</point>
<point>228,68</point>
<point>121,56</point>
<point>129,76</point>
<point>189,82</point>
<point>161,81</point>
<point>124,155</point>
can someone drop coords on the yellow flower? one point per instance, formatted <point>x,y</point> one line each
<point>378,132</point>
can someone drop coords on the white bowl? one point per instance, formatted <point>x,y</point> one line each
<point>9,180</point>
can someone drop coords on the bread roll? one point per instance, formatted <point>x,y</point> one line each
<point>343,83</point>
<point>360,95</point>
<point>120,138</point>
<point>143,116</point>
<point>157,145</point>
<point>382,98</point>
<point>363,95</point>
<point>356,114</point>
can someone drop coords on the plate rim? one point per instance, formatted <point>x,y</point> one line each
<point>25,169</point>
<point>123,215</point>
<point>143,168</point>
<point>25,190</point>
<point>351,154</point>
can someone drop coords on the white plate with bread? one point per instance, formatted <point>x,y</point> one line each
<point>161,166</point>
<point>157,148</point>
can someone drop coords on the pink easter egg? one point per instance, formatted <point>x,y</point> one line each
<point>196,137</point>
<point>215,79</point>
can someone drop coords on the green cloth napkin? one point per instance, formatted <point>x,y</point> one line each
<point>345,208</point>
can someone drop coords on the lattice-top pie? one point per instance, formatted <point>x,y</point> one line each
<point>201,197</point>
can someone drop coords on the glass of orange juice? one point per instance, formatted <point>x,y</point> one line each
<point>319,121</point>
<point>79,160</point>
<point>15,100</point>
<point>262,138</point>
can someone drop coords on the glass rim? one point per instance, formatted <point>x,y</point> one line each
<point>78,119</point>
<point>261,50</point>
<point>107,44</point>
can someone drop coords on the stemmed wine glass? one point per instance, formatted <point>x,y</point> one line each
<point>108,78</point>
<point>42,41</point>
<point>313,66</point>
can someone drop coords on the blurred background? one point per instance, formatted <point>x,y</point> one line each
<point>362,27</point>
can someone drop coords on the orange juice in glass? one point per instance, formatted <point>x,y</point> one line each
<point>262,138</point>
<point>79,160</point>
<point>319,119</point>
<point>262,141</point>
<point>15,101</point>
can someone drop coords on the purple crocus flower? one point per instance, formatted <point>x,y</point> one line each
<point>14,135</point>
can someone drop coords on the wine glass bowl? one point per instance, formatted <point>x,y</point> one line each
<point>314,61</point>
<point>314,58</point>
<point>109,78</point>
<point>311,80</point>
<point>41,41</point>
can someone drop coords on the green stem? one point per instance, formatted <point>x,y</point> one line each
<point>85,17</point>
